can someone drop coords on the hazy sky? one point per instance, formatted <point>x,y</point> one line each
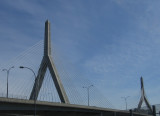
<point>113,42</point>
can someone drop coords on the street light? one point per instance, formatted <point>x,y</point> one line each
<point>125,99</point>
<point>7,70</point>
<point>88,87</point>
<point>35,93</point>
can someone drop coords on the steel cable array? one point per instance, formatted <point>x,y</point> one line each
<point>21,81</point>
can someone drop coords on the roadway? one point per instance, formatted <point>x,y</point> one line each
<point>18,107</point>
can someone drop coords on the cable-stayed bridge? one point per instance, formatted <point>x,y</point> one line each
<point>50,90</point>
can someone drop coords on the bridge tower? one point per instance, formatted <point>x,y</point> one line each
<point>47,61</point>
<point>143,97</point>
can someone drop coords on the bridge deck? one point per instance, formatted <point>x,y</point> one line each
<point>17,106</point>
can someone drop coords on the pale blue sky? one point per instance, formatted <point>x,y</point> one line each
<point>112,42</point>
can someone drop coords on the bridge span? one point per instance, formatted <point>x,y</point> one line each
<point>12,107</point>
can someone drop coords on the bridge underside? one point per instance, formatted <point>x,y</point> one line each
<point>48,113</point>
<point>62,113</point>
<point>15,107</point>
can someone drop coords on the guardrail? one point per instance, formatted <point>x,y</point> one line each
<point>4,95</point>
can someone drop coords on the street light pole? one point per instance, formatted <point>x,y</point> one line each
<point>88,87</point>
<point>7,70</point>
<point>125,99</point>
<point>35,92</point>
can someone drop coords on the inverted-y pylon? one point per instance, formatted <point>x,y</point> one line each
<point>47,61</point>
<point>143,97</point>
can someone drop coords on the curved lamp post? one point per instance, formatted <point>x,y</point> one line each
<point>7,70</point>
<point>88,87</point>
<point>34,89</point>
<point>125,99</point>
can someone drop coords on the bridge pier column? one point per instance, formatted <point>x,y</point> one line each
<point>131,112</point>
<point>115,114</point>
<point>154,110</point>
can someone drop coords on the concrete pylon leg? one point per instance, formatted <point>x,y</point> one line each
<point>39,79</point>
<point>47,61</point>
<point>140,102</point>
<point>57,81</point>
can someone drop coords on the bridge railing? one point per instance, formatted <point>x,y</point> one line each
<point>4,95</point>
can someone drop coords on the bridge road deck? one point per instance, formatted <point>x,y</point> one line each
<point>10,106</point>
